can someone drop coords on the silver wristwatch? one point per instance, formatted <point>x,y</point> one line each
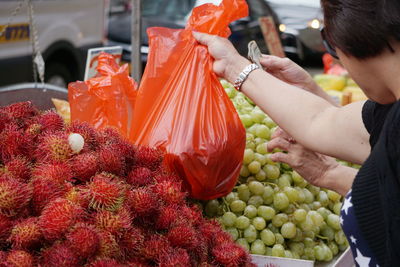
<point>243,75</point>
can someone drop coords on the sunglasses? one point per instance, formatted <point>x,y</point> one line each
<point>329,48</point>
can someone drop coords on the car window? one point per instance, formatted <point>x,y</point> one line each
<point>258,9</point>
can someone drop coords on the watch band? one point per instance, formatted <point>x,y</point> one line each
<point>243,75</point>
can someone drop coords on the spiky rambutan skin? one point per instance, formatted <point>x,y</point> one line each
<point>105,193</point>
<point>138,263</point>
<point>229,254</point>
<point>14,196</point>
<point>20,258</point>
<point>84,166</point>
<point>166,177</point>
<point>107,136</point>
<point>193,214</point>
<point>148,157</point>
<point>140,176</point>
<point>170,192</point>
<point>114,222</point>
<point>59,255</point>
<point>184,236</point>
<point>18,167</point>
<point>111,160</point>
<point>107,262</point>
<point>222,238</point>
<point>57,171</point>
<point>58,217</point>
<point>21,111</point>
<point>109,246</point>
<point>12,142</point>
<point>53,147</point>
<point>5,228</point>
<point>131,242</point>
<point>50,121</point>
<point>5,119</point>
<point>208,230</point>
<point>142,201</point>
<point>26,234</point>
<point>84,240</point>
<point>87,132</point>
<point>78,195</point>
<point>169,216</point>
<point>177,258</point>
<point>3,256</point>
<point>155,246</point>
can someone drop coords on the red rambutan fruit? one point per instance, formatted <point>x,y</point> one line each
<point>229,254</point>
<point>142,201</point>
<point>5,119</point>
<point>184,236</point>
<point>54,147</point>
<point>59,255</point>
<point>166,177</point>
<point>209,229</point>
<point>14,196</point>
<point>177,258</point>
<point>26,234</point>
<point>58,217</point>
<point>222,238</point>
<point>107,136</point>
<point>169,216</point>
<point>3,256</point>
<point>57,171</point>
<point>50,121</point>
<point>131,242</point>
<point>105,193</point>
<point>170,192</point>
<point>87,132</point>
<point>12,142</point>
<point>113,222</point>
<point>140,176</point>
<point>19,168</point>
<point>84,240</point>
<point>107,262</point>
<point>5,228</point>
<point>148,157</point>
<point>155,246</point>
<point>138,263</point>
<point>84,166</point>
<point>109,246</point>
<point>21,110</point>
<point>111,160</point>
<point>20,258</point>
<point>78,195</point>
<point>193,214</point>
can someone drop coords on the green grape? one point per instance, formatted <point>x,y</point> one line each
<point>307,224</point>
<point>333,221</point>
<point>261,175</point>
<point>309,242</point>
<point>297,179</point>
<point>272,171</point>
<point>268,252</point>
<point>286,166</point>
<point>211,208</point>
<point>259,141</point>
<point>281,201</point>
<point>255,201</point>
<point>243,192</point>
<point>300,215</point>
<point>283,182</point>
<point>288,230</point>
<point>295,255</point>
<point>256,188</point>
<point>237,206</point>
<point>257,115</point>
<point>242,222</point>
<point>288,254</point>
<point>319,252</point>
<point>232,196</point>
<point>250,211</point>
<point>287,176</point>
<point>317,218</point>
<point>250,145</point>
<point>249,137</point>
<point>243,242</point>
<point>297,247</point>
<point>304,207</point>
<point>343,247</point>
<point>233,232</point>
<point>332,195</point>
<point>270,162</point>
<point>263,131</point>
<point>248,156</point>
<point>250,178</point>
<point>280,219</point>
<point>273,228</point>
<point>334,248</point>
<point>299,235</point>
<point>290,209</point>
<point>268,237</point>
<point>254,167</point>
<point>328,232</point>
<point>291,193</point>
<point>231,92</point>
<point>323,198</point>
<point>340,238</point>
<point>309,234</point>
<point>279,239</point>
<point>266,212</point>
<point>252,129</point>
<point>315,205</point>
<point>328,253</point>
<point>278,251</point>
<point>302,196</point>
<point>309,197</point>
<point>246,120</point>
<point>324,212</point>
<point>244,171</point>
<point>258,247</point>
<point>250,234</point>
<point>259,223</point>
<point>269,122</point>
<point>268,201</point>
<point>260,158</point>
<point>229,219</point>
<point>337,207</point>
<point>268,192</point>
<point>309,253</point>
<point>313,189</point>
<point>262,148</point>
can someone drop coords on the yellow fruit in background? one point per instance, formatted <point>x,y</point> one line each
<point>330,82</point>
<point>351,82</point>
<point>356,93</point>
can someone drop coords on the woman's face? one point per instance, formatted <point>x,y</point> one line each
<point>367,73</point>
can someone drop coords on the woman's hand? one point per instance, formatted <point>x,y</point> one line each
<point>317,169</point>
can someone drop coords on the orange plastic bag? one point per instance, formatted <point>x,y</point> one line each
<point>107,99</point>
<point>182,108</point>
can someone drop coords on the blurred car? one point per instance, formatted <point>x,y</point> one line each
<point>66,30</point>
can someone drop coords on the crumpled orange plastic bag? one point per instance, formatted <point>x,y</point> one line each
<point>182,108</point>
<point>107,99</point>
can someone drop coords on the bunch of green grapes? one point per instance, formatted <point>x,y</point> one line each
<point>273,211</point>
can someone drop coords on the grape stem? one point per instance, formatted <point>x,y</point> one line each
<point>322,237</point>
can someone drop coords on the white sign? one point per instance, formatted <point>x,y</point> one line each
<point>91,61</point>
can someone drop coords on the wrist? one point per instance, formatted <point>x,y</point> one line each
<point>340,178</point>
<point>235,67</point>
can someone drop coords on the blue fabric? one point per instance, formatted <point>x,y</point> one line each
<point>362,254</point>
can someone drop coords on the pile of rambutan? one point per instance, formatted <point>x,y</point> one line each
<point>71,195</point>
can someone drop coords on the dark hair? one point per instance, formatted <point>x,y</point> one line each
<point>361,28</point>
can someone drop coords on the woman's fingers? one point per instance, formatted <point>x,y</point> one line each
<point>203,38</point>
<point>273,63</point>
<point>279,132</point>
<point>280,143</point>
<point>282,157</point>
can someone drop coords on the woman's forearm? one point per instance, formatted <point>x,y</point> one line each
<point>340,179</point>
